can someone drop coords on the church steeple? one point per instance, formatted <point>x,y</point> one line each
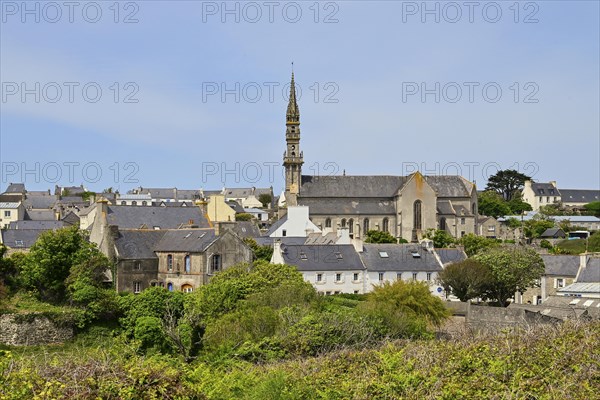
<point>292,157</point>
<point>293,112</point>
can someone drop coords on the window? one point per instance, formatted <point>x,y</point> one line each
<point>123,203</point>
<point>355,277</point>
<point>137,266</point>
<point>443,224</point>
<point>381,276</point>
<point>144,203</point>
<point>215,263</point>
<point>462,221</point>
<point>134,203</point>
<point>187,288</point>
<point>414,276</point>
<point>429,276</point>
<point>343,222</point>
<point>283,232</point>
<point>19,243</point>
<point>170,262</point>
<point>559,283</point>
<point>137,287</point>
<point>188,264</point>
<point>351,225</point>
<point>399,276</point>
<point>383,254</point>
<point>417,220</point>
<point>462,233</point>
<point>328,223</point>
<point>386,225</point>
<point>7,213</point>
<point>356,292</point>
<point>547,199</point>
<point>319,277</point>
<point>170,287</point>
<point>365,226</point>
<point>338,277</point>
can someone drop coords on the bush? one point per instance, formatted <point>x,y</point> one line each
<point>545,244</point>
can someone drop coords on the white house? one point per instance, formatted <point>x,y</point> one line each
<point>295,223</point>
<point>142,199</point>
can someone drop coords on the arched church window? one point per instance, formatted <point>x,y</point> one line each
<point>417,218</point>
<point>386,225</point>
<point>328,223</point>
<point>365,226</point>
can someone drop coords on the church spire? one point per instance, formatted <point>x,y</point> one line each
<point>293,112</point>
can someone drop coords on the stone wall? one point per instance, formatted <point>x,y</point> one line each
<point>32,329</point>
<point>485,318</point>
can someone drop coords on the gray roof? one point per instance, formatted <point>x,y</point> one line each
<point>43,225</point>
<point>348,206</point>
<point>287,240</point>
<point>351,186</point>
<point>20,238</point>
<point>15,188</point>
<point>560,265</point>
<point>137,244</point>
<point>450,185</point>
<point>445,207</point>
<point>136,217</point>
<point>591,272</point>
<point>545,189</point>
<point>42,202</point>
<point>245,192</point>
<point>276,225</point>
<point>168,193</point>
<point>448,256</point>
<point>40,215</point>
<point>399,258</point>
<point>318,238</point>
<point>188,240</point>
<point>579,195</point>
<point>553,233</point>
<point>581,288</point>
<point>236,206</point>
<point>316,257</point>
<point>244,229</point>
<point>173,203</point>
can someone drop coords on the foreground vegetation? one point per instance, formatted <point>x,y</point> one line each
<point>552,362</point>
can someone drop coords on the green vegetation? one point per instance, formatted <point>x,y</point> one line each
<point>468,279</point>
<point>474,244</point>
<point>379,237</point>
<point>243,217</point>
<point>260,252</point>
<point>578,246</point>
<point>507,183</point>
<point>493,204</point>
<point>265,199</point>
<point>593,208</point>
<point>441,239</point>
<point>551,362</point>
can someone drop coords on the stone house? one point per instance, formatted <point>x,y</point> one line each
<point>559,272</point>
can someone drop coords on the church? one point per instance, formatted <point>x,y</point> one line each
<point>404,206</point>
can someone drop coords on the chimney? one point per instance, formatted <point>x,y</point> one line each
<point>528,183</point>
<point>343,234</point>
<point>277,257</point>
<point>358,245</point>
<point>553,183</point>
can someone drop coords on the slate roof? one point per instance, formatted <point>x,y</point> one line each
<point>581,288</point>
<point>399,258</point>
<point>168,193</point>
<point>244,229</point>
<point>445,207</point>
<point>348,206</point>
<point>450,185</point>
<point>276,225</point>
<point>553,233</point>
<point>134,217</point>
<point>287,240</point>
<point>451,255</point>
<point>43,225</point>
<point>236,206</point>
<point>560,265</point>
<point>245,192</point>
<point>40,215</point>
<point>187,240</point>
<point>316,257</point>
<point>140,196</point>
<point>137,244</point>
<point>173,203</point>
<point>40,202</point>
<point>545,189</point>
<point>351,186</point>
<point>579,195</point>
<point>591,272</point>
<point>15,188</point>
<point>12,237</point>
<point>318,238</point>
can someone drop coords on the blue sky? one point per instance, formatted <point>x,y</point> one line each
<point>386,89</point>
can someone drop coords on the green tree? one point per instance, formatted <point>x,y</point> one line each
<point>466,280</point>
<point>513,269</point>
<point>534,227</point>
<point>593,208</point>
<point>260,252</point>
<point>507,182</point>
<point>374,236</point>
<point>405,308</point>
<point>243,217</point>
<point>265,199</point>
<point>492,204</point>
<point>473,244</point>
<point>441,239</point>
<point>517,205</point>
<point>50,259</point>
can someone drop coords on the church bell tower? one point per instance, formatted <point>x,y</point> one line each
<point>292,157</point>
